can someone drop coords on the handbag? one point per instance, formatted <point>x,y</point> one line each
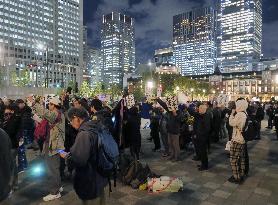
<point>164,184</point>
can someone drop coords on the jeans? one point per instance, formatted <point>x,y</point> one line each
<point>15,171</point>
<point>22,160</point>
<point>164,139</point>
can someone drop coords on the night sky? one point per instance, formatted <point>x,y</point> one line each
<point>153,22</point>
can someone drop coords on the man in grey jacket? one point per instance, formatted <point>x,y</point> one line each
<point>88,183</point>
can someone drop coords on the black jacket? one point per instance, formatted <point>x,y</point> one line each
<point>173,122</point>
<point>202,126</point>
<point>5,164</point>
<point>133,129</point>
<point>70,135</point>
<point>27,123</point>
<point>217,114</point>
<point>260,114</point>
<point>12,128</point>
<point>88,183</point>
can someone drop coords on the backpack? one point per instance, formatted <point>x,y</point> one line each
<point>41,129</point>
<point>130,173</point>
<point>249,130</point>
<point>260,113</point>
<point>107,155</point>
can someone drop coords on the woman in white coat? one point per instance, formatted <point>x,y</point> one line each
<point>237,159</point>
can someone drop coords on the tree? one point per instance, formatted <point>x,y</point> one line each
<point>85,89</point>
<point>21,80</point>
<point>114,90</point>
<point>1,77</point>
<point>138,94</point>
<point>98,89</point>
<point>168,83</point>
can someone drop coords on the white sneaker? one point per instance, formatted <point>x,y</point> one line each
<point>51,197</point>
<point>61,189</point>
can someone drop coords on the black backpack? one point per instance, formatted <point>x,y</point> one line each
<point>249,130</point>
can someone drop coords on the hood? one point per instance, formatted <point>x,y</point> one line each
<point>88,125</point>
<point>241,105</point>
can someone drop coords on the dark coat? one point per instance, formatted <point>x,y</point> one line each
<point>70,135</point>
<point>27,123</point>
<point>12,128</point>
<point>88,183</point>
<point>133,129</point>
<point>6,165</point>
<point>217,114</point>
<point>202,126</point>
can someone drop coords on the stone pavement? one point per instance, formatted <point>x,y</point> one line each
<point>205,188</point>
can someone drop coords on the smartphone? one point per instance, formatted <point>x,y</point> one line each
<point>60,151</point>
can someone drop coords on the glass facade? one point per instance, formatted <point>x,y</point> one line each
<point>240,34</point>
<point>117,48</point>
<point>194,35</point>
<point>94,66</point>
<point>164,55</point>
<point>35,32</point>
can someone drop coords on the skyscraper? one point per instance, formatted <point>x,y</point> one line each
<point>194,35</point>
<point>44,36</point>
<point>240,34</point>
<point>94,65</point>
<point>117,48</point>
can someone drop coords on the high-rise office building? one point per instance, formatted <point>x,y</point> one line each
<point>240,34</point>
<point>44,36</point>
<point>94,66</point>
<point>86,73</point>
<point>163,55</point>
<point>194,35</point>
<point>117,47</point>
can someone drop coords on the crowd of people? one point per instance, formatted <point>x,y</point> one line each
<point>64,129</point>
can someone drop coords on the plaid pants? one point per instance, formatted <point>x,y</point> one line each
<point>237,160</point>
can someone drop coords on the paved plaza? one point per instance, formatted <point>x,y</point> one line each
<point>205,188</point>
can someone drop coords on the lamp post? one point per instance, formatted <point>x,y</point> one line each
<point>204,92</point>
<point>177,89</point>
<point>45,49</point>
<point>149,88</point>
<point>192,90</point>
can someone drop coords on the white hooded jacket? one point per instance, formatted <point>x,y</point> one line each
<point>238,121</point>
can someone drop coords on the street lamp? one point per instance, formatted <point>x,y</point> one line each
<point>204,92</point>
<point>192,90</point>
<point>45,49</point>
<point>150,85</point>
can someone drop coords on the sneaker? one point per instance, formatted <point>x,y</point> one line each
<point>20,172</point>
<point>61,189</point>
<point>51,197</point>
